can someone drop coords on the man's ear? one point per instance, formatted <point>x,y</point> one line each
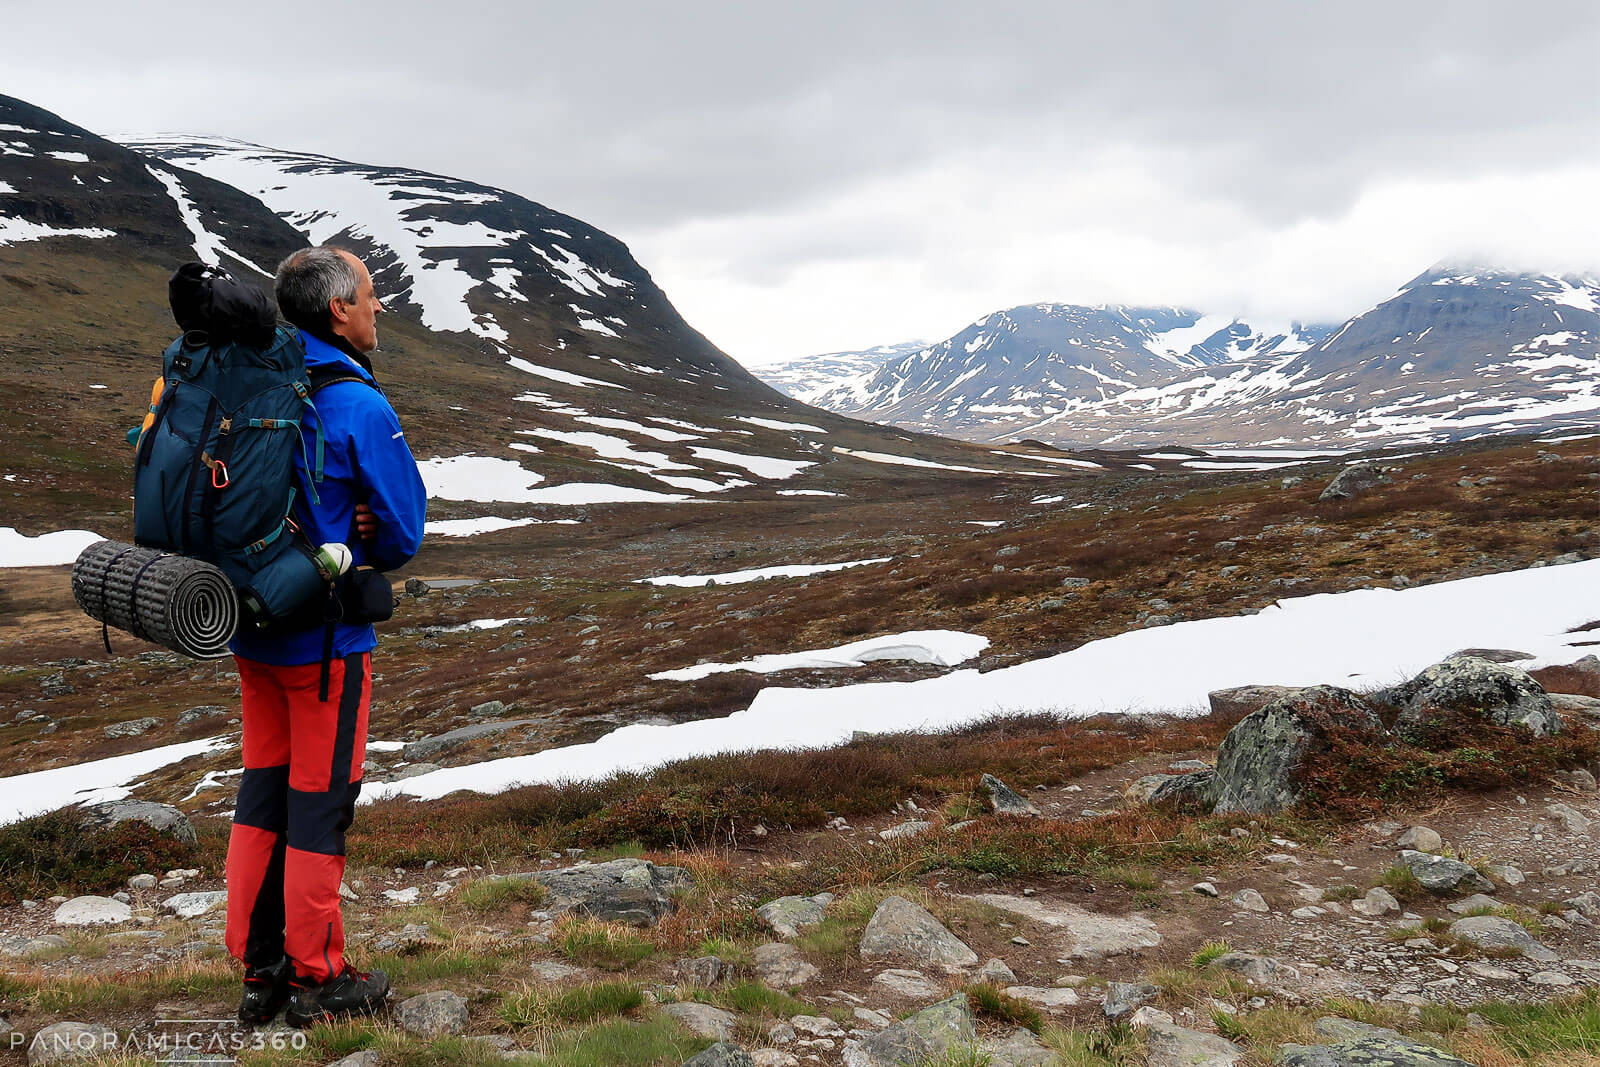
<point>338,312</point>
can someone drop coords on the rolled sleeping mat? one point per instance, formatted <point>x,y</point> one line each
<point>179,603</point>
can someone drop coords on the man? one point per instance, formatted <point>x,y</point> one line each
<point>306,699</point>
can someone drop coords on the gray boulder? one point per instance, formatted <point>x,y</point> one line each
<point>931,1032</point>
<point>1353,481</point>
<point>1018,1049</point>
<point>787,916</point>
<point>1004,800</point>
<point>1264,971</point>
<point>907,932</point>
<point>365,1058</point>
<point>722,1054</point>
<point>70,1042</point>
<point>1123,997</point>
<point>1244,699</point>
<point>1260,759</point>
<point>1335,1028</point>
<point>204,711</point>
<point>1367,1052</point>
<point>1500,694</point>
<point>131,727</point>
<point>1171,1045</point>
<point>629,890</point>
<point>780,966</point>
<point>1194,789</point>
<point>428,747</point>
<point>163,818</point>
<point>1441,874</point>
<point>194,905</point>
<point>1499,933</point>
<point>702,970</point>
<point>92,911</point>
<point>703,1020</point>
<point>432,1014</point>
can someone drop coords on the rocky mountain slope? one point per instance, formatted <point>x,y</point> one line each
<point>514,331</point>
<point>809,377</point>
<point>1458,352</point>
<point>1028,362</point>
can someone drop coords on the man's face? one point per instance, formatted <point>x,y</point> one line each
<point>357,322</point>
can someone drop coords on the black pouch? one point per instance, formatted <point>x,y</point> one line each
<point>365,596</point>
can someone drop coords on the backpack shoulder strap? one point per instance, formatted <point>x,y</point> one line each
<point>324,376</point>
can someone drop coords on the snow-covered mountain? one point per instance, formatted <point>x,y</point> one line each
<point>515,331</point>
<point>461,257</point>
<point>808,377</point>
<point>1459,351</point>
<point>1027,363</point>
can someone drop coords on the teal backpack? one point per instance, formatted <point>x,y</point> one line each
<point>214,474</point>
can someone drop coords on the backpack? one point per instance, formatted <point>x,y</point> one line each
<point>214,473</point>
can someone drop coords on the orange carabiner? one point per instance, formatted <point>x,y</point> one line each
<point>222,469</point>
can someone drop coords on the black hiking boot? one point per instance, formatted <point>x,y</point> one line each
<point>266,991</point>
<point>350,992</point>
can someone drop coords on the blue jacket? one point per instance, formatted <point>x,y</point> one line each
<point>365,460</point>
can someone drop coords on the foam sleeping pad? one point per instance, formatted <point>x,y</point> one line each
<point>179,603</point>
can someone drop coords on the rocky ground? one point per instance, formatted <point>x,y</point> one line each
<point>1460,931</point>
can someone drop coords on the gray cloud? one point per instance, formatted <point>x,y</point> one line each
<point>775,135</point>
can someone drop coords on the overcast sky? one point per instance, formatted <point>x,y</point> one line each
<point>807,178</point>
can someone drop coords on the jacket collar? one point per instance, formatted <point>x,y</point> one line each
<point>320,353</point>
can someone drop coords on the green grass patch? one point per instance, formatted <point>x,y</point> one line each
<point>753,998</point>
<point>1116,1045</point>
<point>991,1002</point>
<point>609,946</point>
<point>967,1056</point>
<point>432,965</point>
<point>490,895</point>
<point>1209,952</point>
<point>536,1007</point>
<point>1568,1024</point>
<point>733,953</point>
<point>1399,880</point>
<point>1341,893</point>
<point>57,994</point>
<point>622,1043</point>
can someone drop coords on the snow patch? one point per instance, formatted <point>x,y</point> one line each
<point>46,550</point>
<point>690,581</point>
<point>943,648</point>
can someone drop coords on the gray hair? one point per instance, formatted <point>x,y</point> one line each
<point>308,280</point>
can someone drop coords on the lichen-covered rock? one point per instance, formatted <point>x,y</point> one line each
<point>703,1020</point>
<point>1441,874</point>
<point>1171,1045</point>
<point>1193,789</point>
<point>1018,1049</point>
<point>194,905</point>
<point>629,890</point>
<point>780,966</point>
<point>931,1032</point>
<point>1264,971</point>
<point>787,916</point>
<point>901,930</point>
<point>163,818</point>
<point>701,970</point>
<point>722,1054</point>
<point>432,1014</point>
<point>1499,933</point>
<point>1367,1052</point>
<point>1140,790</point>
<point>1353,481</point>
<point>1260,760</point>
<point>1499,693</point>
<point>1124,997</point>
<point>1004,800</point>
<point>1244,699</point>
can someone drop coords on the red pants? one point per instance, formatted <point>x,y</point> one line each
<point>303,760</point>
